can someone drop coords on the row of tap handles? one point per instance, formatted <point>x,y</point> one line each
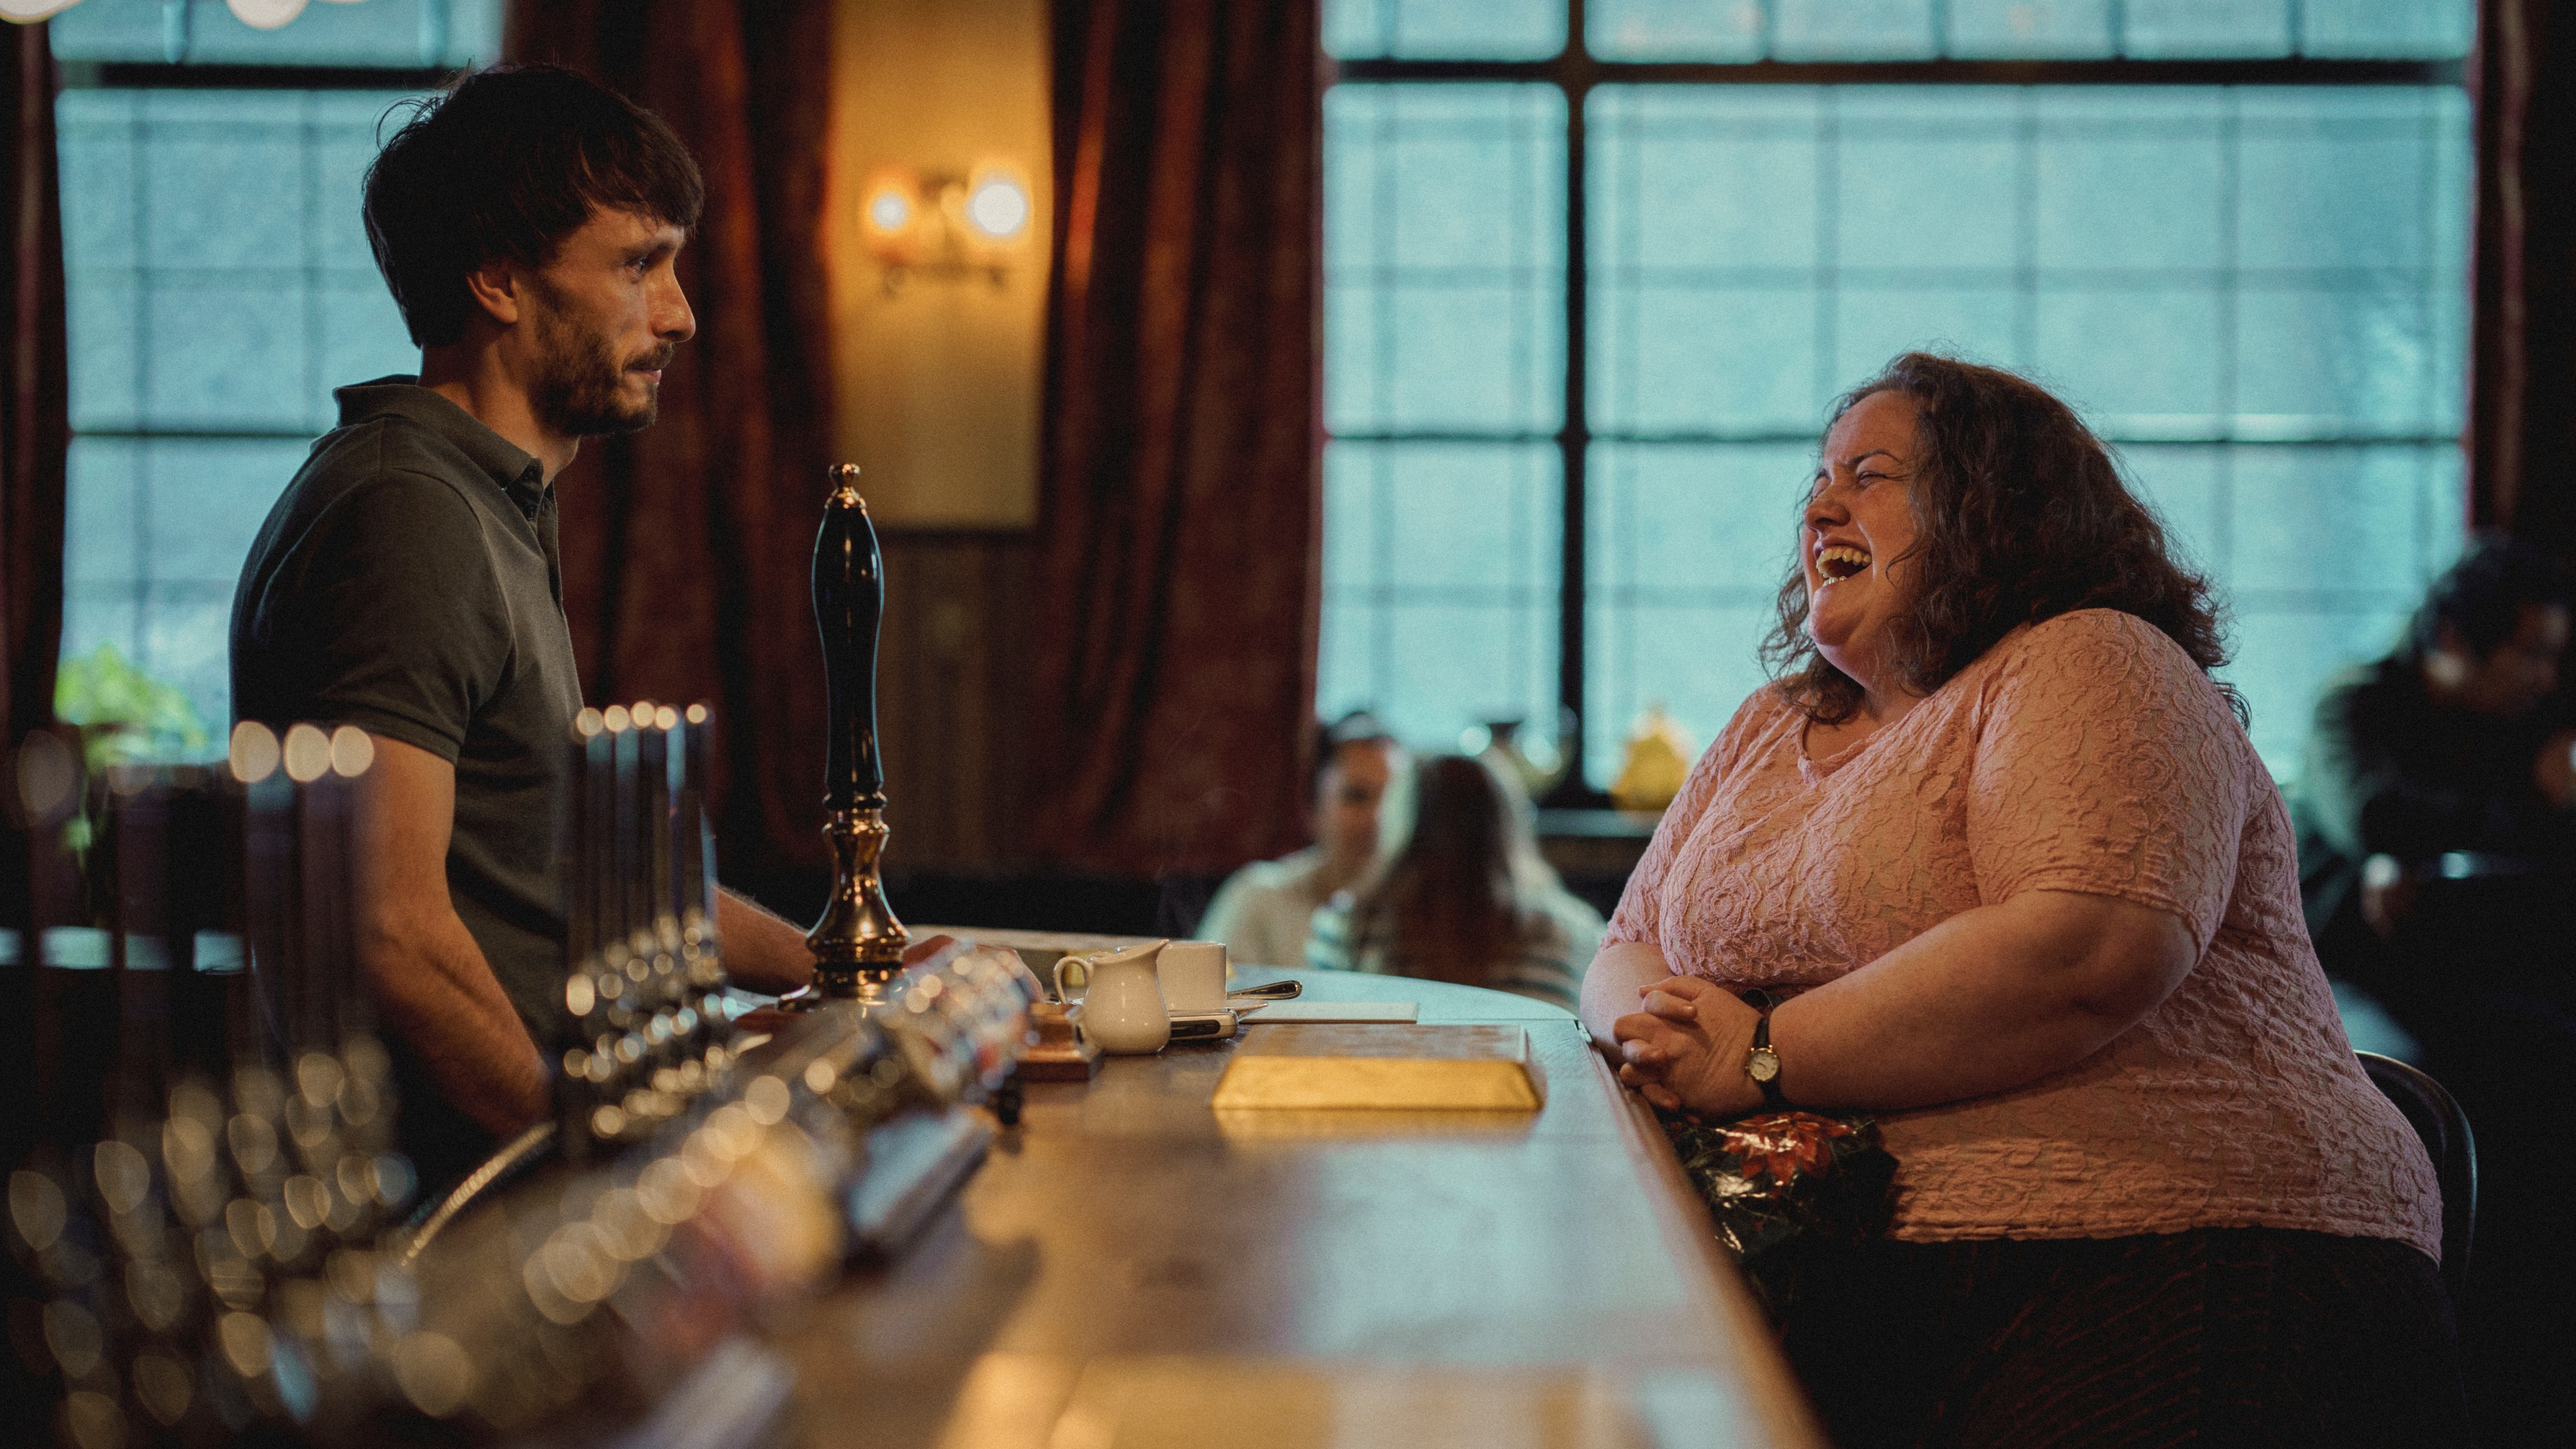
<point>648,1023</point>
<point>210,1231</point>
<point>205,1159</point>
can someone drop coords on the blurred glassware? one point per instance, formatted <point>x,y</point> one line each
<point>1533,763</point>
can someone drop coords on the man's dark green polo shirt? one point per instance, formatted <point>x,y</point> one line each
<point>408,582</point>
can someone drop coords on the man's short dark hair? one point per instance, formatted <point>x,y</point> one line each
<point>1359,727</point>
<point>2481,598</point>
<point>503,167</point>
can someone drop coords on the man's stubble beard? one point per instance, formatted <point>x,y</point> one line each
<point>576,392</point>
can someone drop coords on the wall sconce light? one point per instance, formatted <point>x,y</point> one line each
<point>945,224</point>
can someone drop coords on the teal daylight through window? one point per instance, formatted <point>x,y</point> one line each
<point>218,285</point>
<point>2239,248</point>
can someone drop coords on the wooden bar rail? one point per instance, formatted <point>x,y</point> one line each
<point>1127,1270</point>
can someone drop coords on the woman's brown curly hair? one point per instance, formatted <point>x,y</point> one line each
<point>2020,515</point>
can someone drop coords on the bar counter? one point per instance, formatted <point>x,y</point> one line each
<point>1127,1270</point>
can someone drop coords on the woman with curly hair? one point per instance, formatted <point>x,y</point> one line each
<point>2001,843</point>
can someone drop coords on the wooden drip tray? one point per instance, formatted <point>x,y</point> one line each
<point>1292,1067</point>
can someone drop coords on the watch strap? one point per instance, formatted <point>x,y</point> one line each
<point>1772,1096</point>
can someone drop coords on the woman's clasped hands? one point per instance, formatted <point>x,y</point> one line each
<point>1683,1049</point>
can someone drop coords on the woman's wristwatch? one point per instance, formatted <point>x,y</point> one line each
<point>1761,1063</point>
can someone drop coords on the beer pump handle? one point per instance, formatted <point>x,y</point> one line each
<point>858,944</point>
<point>849,606</point>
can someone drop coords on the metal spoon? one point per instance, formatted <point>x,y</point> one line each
<point>1272,991</point>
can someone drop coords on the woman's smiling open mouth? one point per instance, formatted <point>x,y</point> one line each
<point>1840,561</point>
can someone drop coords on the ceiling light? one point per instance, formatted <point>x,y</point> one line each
<point>264,14</point>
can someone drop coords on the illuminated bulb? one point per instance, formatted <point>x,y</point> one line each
<point>264,14</point>
<point>254,752</point>
<point>998,207</point>
<point>46,775</point>
<point>889,210</point>
<point>308,754</point>
<point>351,751</point>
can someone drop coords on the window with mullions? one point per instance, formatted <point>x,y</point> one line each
<point>219,285</point>
<point>2234,235</point>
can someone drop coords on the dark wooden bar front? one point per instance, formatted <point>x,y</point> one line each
<point>1129,1270</point>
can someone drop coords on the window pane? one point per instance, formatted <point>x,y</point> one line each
<point>2392,29</point>
<point>2319,550</point>
<point>2158,29</point>
<point>1710,212</point>
<point>1757,249</point>
<point>1461,29</point>
<point>218,274</point>
<point>1851,29</point>
<point>1441,568</point>
<point>1685,547</point>
<point>2257,292</point>
<point>2347,320</point>
<point>1674,29</point>
<point>154,541</point>
<point>218,285</point>
<point>2030,29</point>
<point>377,33</point>
<point>1444,258</point>
<point>2187,261</point>
<point>2159,161</point>
<point>2287,636</point>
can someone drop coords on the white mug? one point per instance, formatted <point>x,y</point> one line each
<point>1193,976</point>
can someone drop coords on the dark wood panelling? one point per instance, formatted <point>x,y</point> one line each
<point>953,698</point>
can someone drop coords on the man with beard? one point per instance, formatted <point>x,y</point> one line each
<point>408,581</point>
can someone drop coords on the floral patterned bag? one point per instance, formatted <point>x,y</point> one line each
<point>1779,1181</point>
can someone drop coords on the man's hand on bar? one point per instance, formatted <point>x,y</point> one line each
<point>765,953</point>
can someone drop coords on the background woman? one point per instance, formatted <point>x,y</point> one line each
<point>1461,893</point>
<point>2007,841</point>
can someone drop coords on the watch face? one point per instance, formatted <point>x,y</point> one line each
<point>1762,1065</point>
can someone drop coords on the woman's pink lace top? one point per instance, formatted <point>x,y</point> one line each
<point>2089,754</point>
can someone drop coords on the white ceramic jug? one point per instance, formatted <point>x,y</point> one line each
<point>1122,1004</point>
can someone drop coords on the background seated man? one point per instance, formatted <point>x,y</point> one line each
<point>2460,741</point>
<point>1261,911</point>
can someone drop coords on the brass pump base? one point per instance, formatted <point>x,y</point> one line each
<point>858,945</point>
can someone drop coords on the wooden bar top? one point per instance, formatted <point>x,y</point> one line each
<point>1127,1270</point>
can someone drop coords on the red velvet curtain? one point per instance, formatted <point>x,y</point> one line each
<point>687,547</point>
<point>1180,506</point>
<point>35,421</point>
<point>2522,439</point>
